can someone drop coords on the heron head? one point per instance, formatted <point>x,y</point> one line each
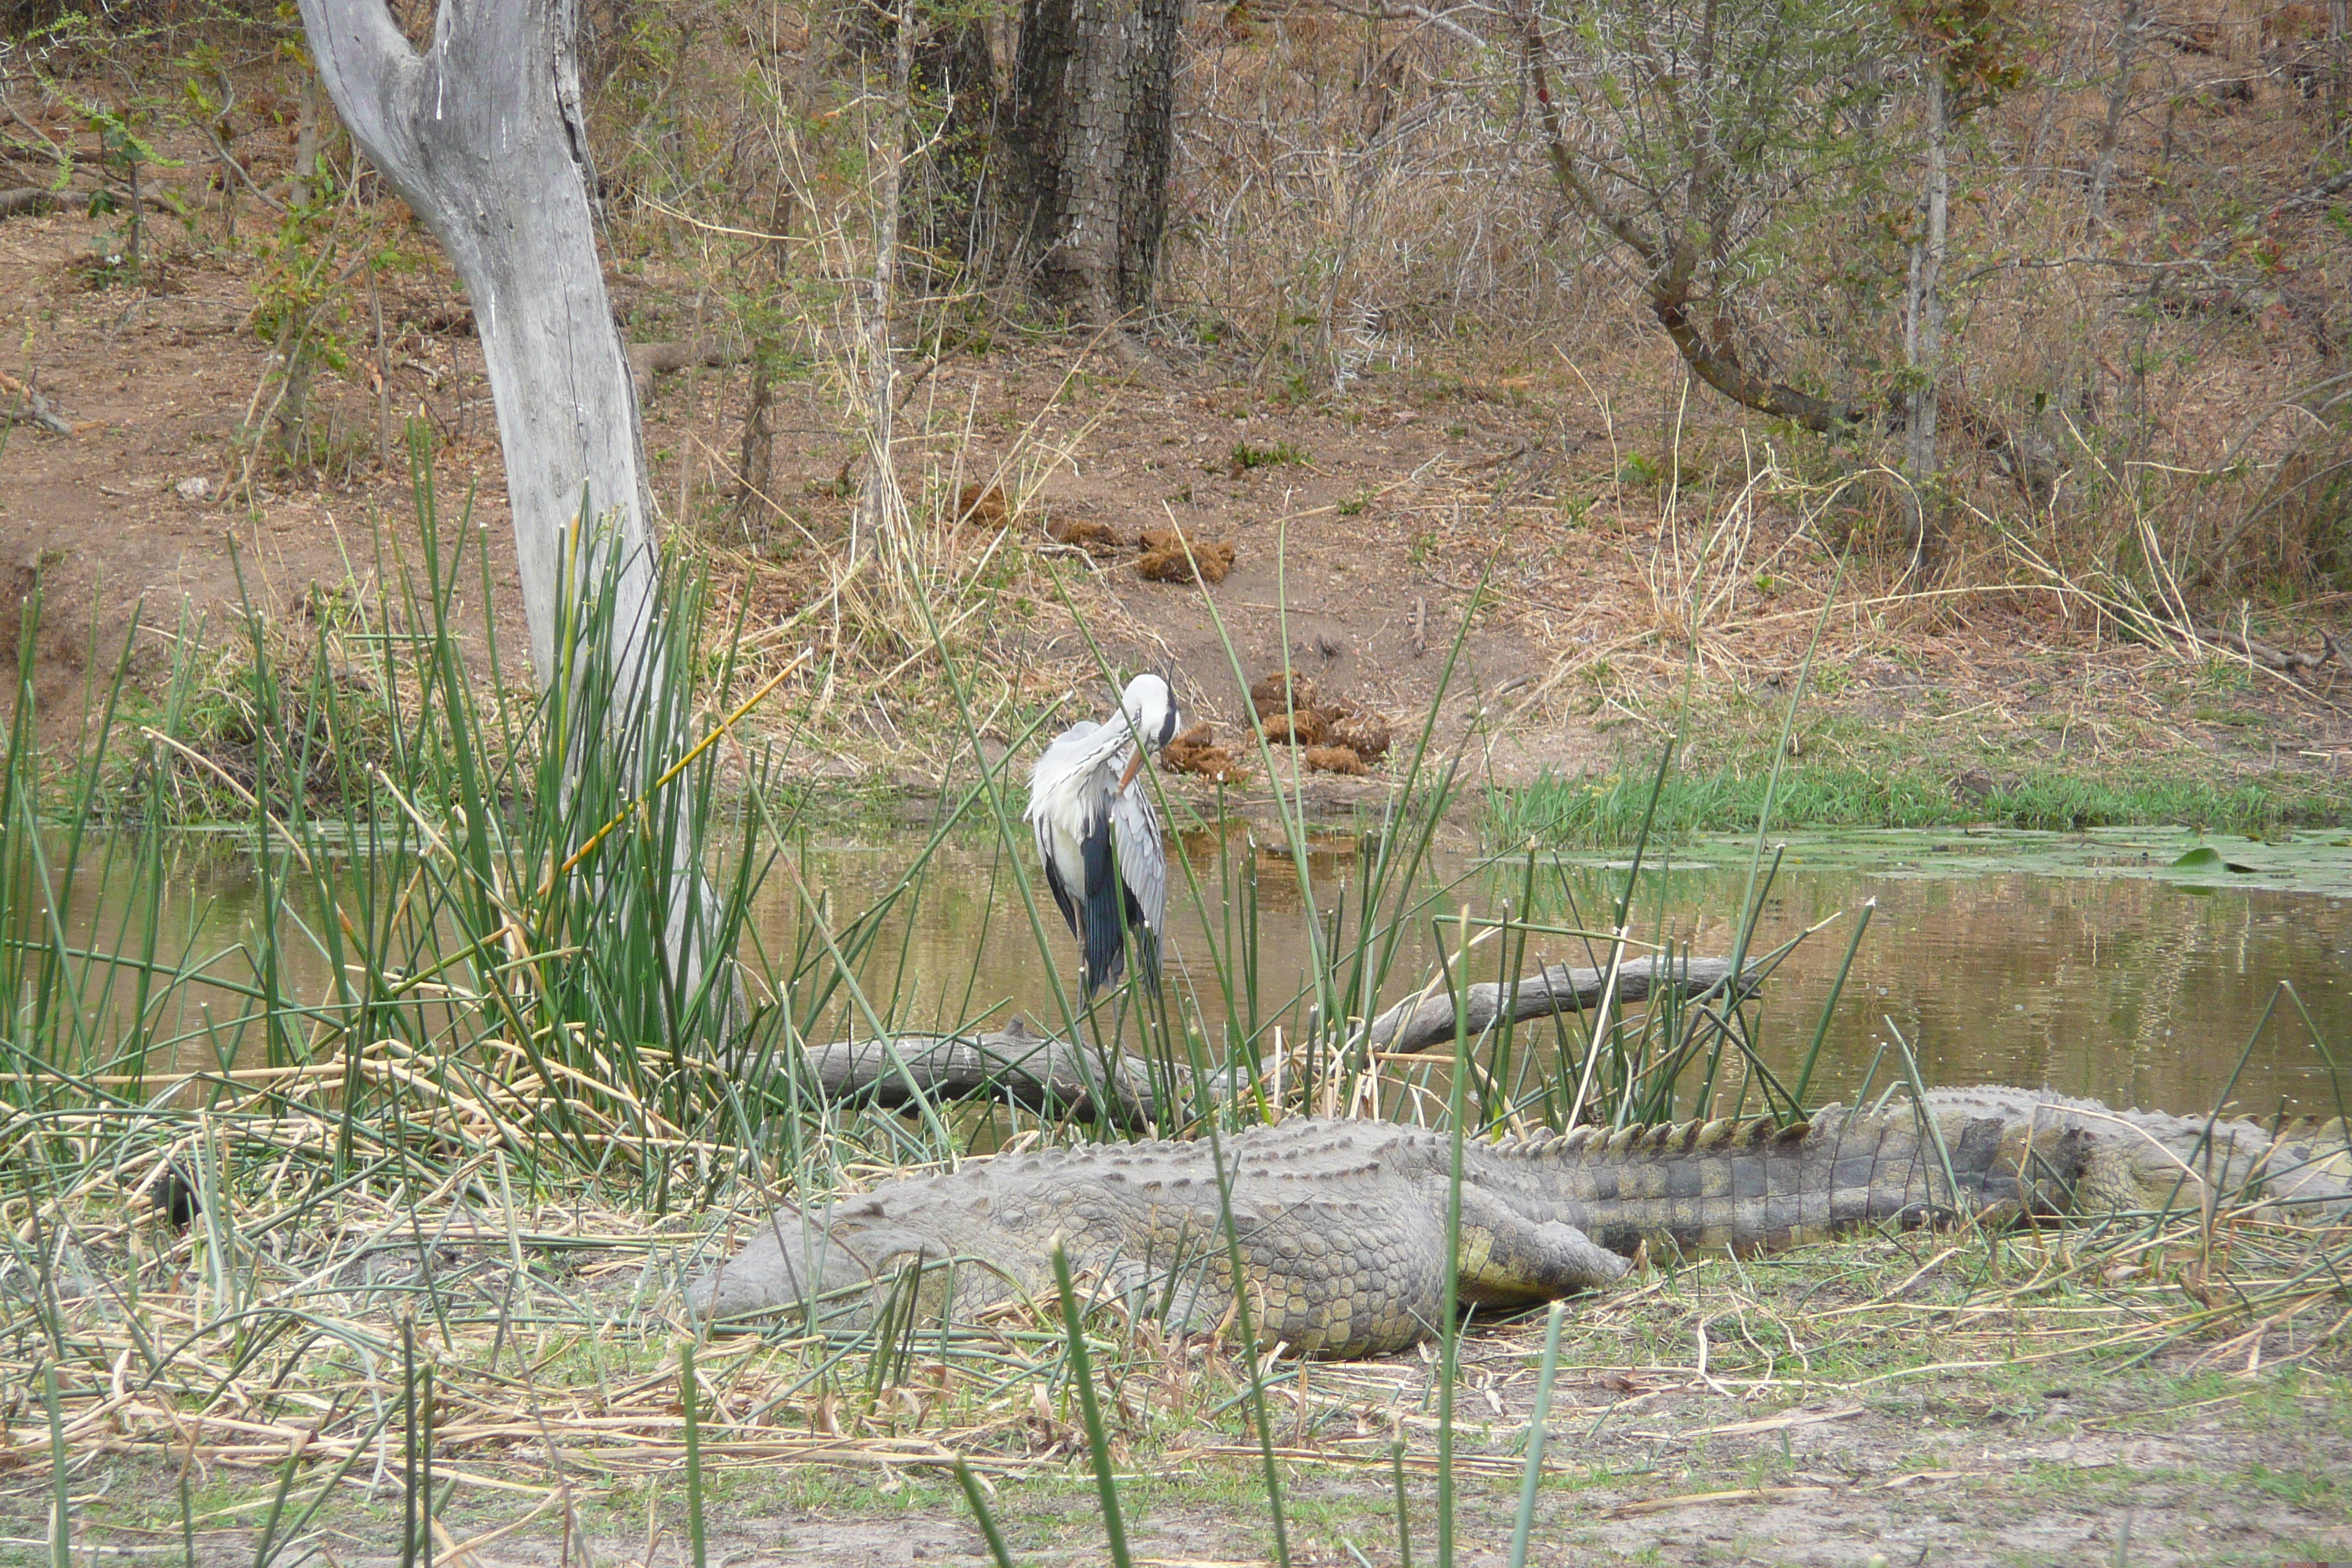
<point>1150,709</point>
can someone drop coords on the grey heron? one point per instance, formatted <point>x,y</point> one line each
<point>1098,833</point>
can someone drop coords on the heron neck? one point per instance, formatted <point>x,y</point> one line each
<point>1112,745</point>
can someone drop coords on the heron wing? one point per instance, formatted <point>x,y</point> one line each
<point>1142,869</point>
<point>1070,808</point>
<point>1057,812</point>
<point>1064,899</point>
<point>1104,954</point>
<point>1067,754</point>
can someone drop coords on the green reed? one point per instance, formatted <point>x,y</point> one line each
<point>60,1475</point>
<point>532,901</point>
<point>1090,1412</point>
<point>1537,1417</point>
<point>690,1396</point>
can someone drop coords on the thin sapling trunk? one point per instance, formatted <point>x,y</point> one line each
<point>1923,326</point>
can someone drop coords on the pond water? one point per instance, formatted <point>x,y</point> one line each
<point>2088,965</point>
<point>2084,963</point>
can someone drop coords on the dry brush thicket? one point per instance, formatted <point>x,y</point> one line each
<point>2142,380</point>
<point>2142,377</point>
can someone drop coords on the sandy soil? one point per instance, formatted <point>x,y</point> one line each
<point>146,506</point>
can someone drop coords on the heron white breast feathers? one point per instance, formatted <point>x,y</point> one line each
<point>1100,835</point>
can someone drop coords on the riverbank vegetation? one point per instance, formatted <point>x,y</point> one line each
<point>364,1222</point>
<point>1609,810</point>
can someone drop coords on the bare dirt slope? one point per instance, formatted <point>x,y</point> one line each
<point>1362,522</point>
<point>156,503</point>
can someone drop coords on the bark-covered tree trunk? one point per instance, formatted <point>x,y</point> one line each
<point>954,97</point>
<point>879,521</point>
<point>484,136</point>
<point>1923,323</point>
<point>1092,136</point>
<point>2103,177</point>
<point>2339,58</point>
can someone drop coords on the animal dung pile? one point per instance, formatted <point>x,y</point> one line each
<point>1333,759</point>
<point>1164,559</point>
<point>1195,751</point>
<point>1276,693</point>
<point>1359,729</point>
<point>983,506</point>
<point>1339,737</point>
<point>1093,538</point>
<point>987,505</point>
<point>1300,727</point>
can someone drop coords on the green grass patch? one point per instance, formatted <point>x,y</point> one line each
<point>1609,810</point>
<point>1282,454</point>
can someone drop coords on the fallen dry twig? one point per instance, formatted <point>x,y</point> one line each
<point>647,361</point>
<point>26,199</point>
<point>36,408</point>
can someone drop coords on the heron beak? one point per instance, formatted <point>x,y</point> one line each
<point>1134,766</point>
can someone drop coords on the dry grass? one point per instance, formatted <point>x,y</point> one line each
<point>272,1328</point>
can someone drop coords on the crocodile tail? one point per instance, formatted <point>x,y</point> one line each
<point>2306,1173</point>
<point>1751,1185</point>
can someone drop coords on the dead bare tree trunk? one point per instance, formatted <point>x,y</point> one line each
<point>1093,135</point>
<point>483,135</point>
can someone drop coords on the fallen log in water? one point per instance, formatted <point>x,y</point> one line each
<point>1045,1072</point>
<point>1416,1026</point>
<point>1042,1072</point>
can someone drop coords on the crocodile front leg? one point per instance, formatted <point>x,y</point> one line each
<point>1350,1279</point>
<point>1510,1260</point>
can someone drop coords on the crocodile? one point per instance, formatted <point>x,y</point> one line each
<point>1342,1226</point>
